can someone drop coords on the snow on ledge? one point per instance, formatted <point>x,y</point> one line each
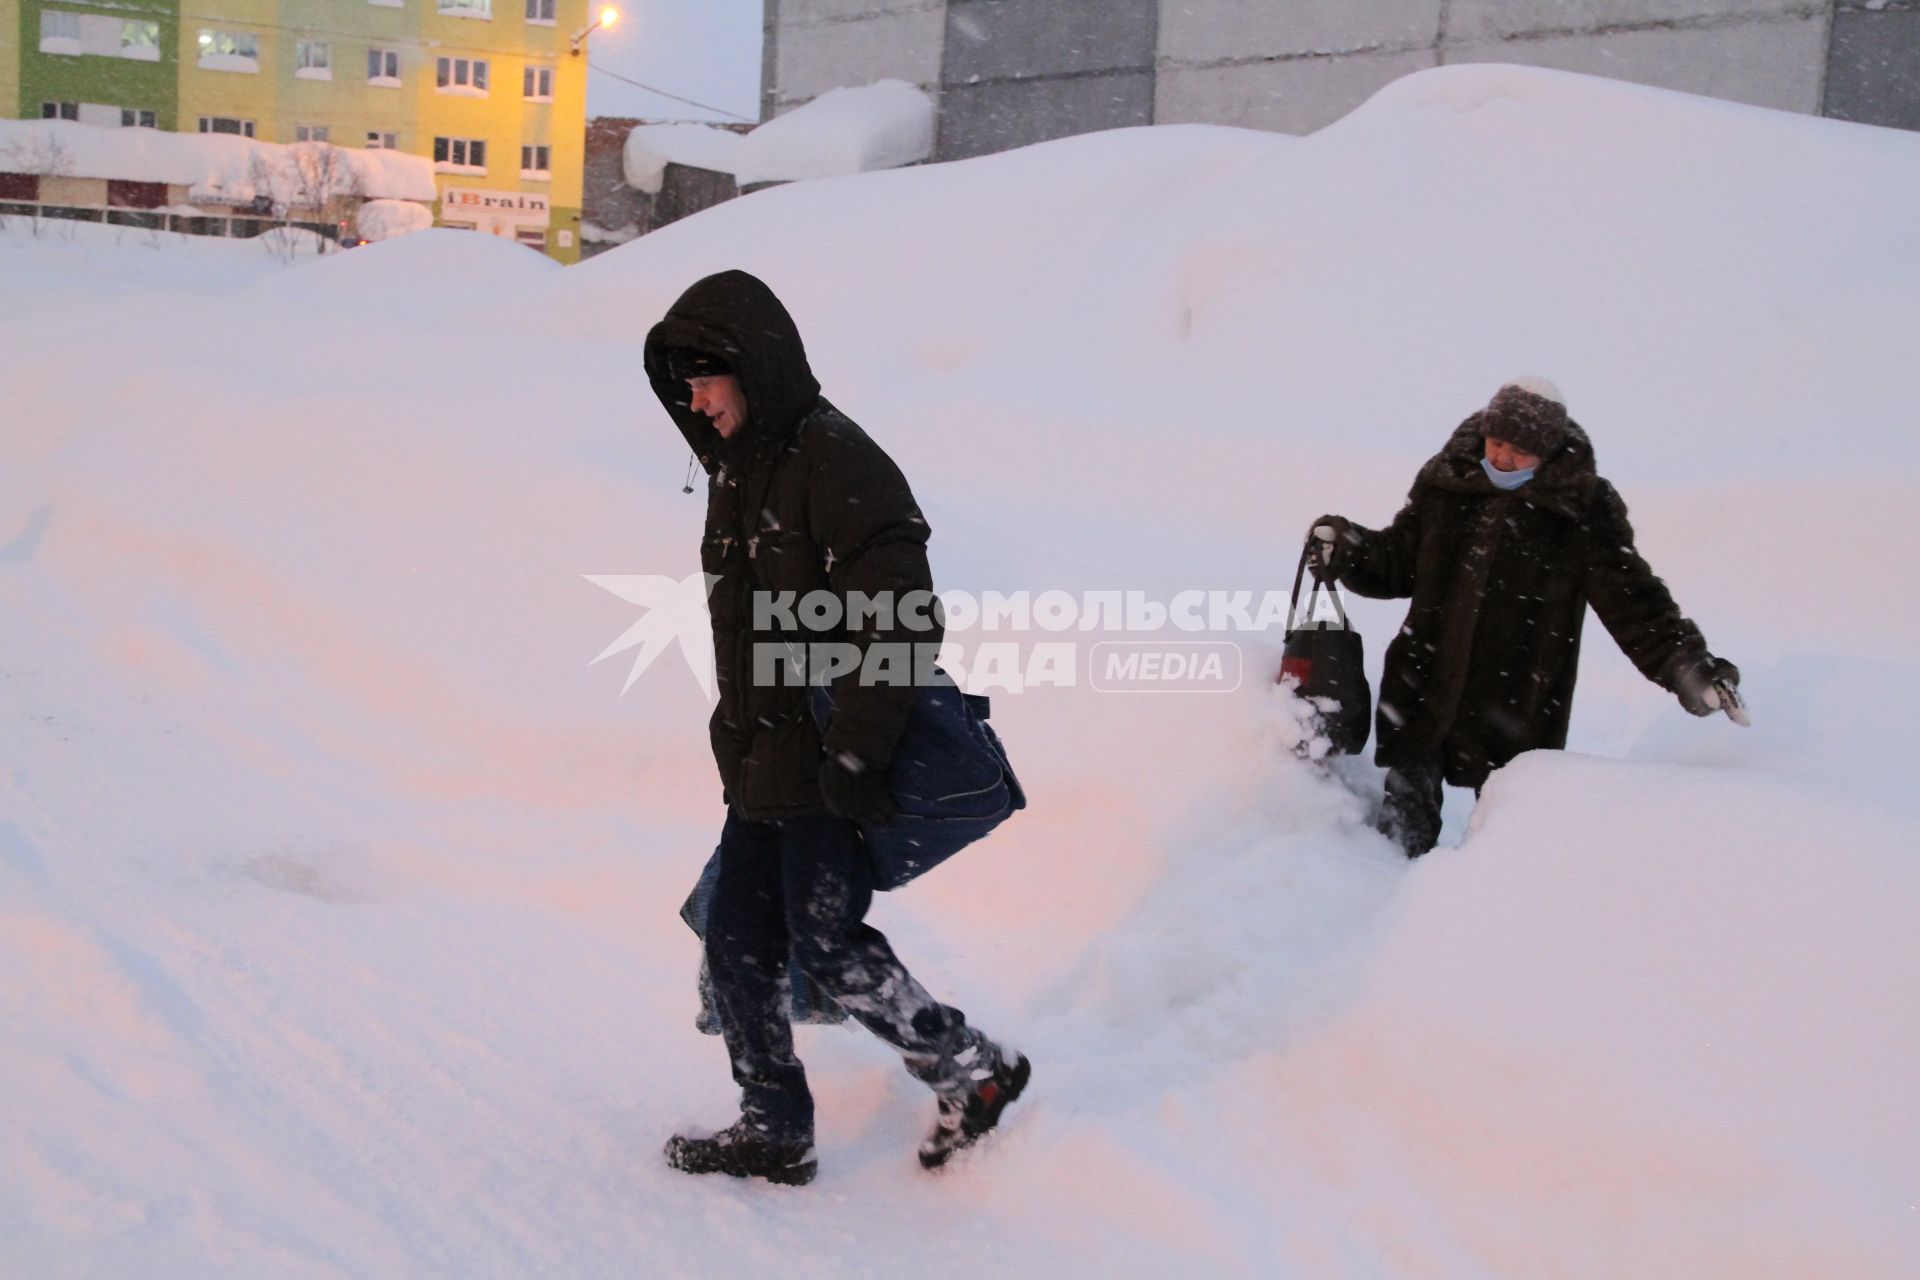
<point>217,167</point>
<point>880,126</point>
<point>230,62</point>
<point>594,233</point>
<point>650,148</point>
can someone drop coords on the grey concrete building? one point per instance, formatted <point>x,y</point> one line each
<point>1009,72</point>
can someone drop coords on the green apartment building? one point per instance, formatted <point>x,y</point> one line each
<point>114,64</point>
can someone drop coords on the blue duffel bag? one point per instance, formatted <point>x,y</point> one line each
<point>949,777</point>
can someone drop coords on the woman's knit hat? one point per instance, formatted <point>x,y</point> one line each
<point>1528,413</point>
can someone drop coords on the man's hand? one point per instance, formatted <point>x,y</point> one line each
<point>855,791</point>
<point>1333,543</point>
<point>1694,684</point>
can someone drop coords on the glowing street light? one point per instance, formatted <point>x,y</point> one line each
<point>609,16</point>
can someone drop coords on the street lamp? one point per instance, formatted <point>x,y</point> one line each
<point>608,17</point>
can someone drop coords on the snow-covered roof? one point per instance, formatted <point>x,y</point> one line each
<point>219,168</point>
<point>880,126</point>
<point>652,147</point>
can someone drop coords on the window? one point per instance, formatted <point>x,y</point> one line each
<point>460,153</point>
<point>140,41</point>
<point>226,124</point>
<point>539,10</point>
<point>73,34</point>
<point>313,60</point>
<point>455,74</point>
<point>229,50</point>
<point>535,161</point>
<point>59,111</point>
<point>59,32</point>
<point>133,118</point>
<point>235,44</point>
<point>467,8</point>
<point>377,141</point>
<point>136,195</point>
<point>536,84</point>
<point>310,133</point>
<point>383,67</point>
<point>535,236</point>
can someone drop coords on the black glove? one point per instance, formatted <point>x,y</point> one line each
<point>856,791</point>
<point>1333,541</point>
<point>1693,680</point>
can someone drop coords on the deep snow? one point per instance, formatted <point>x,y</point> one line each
<point>338,887</point>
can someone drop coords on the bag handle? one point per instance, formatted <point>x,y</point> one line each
<point>1333,592</point>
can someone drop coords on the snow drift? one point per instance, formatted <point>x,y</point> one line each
<point>339,888</point>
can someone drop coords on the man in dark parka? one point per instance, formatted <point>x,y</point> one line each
<point>1508,535</point>
<point>800,500</point>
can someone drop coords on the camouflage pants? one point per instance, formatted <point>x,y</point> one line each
<point>801,887</point>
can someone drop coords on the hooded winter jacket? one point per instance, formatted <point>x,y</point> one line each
<point>1484,667</point>
<point>799,500</point>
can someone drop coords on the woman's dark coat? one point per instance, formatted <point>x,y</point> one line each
<point>800,500</point>
<point>1484,667</point>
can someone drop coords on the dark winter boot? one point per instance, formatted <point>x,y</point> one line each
<point>966,1118</point>
<point>744,1150</point>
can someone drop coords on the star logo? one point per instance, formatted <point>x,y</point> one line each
<point>676,611</point>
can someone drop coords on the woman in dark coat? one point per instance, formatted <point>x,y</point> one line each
<point>1508,535</point>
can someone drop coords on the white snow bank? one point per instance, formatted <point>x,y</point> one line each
<point>880,126</point>
<point>385,219</point>
<point>1674,988</point>
<point>650,148</point>
<point>218,167</point>
<point>107,259</point>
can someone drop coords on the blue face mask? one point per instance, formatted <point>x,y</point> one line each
<point>1505,479</point>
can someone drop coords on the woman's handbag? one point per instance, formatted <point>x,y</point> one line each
<point>1327,663</point>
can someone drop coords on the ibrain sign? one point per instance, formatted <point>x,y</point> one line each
<point>490,209</point>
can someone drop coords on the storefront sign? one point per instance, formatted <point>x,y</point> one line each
<point>498,212</point>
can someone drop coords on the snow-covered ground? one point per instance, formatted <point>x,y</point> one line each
<point>338,890</point>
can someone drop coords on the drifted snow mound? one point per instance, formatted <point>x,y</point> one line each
<point>338,888</point>
<point>389,219</point>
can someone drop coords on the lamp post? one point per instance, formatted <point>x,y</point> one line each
<point>608,17</point>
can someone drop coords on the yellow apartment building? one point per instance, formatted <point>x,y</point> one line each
<point>487,90</point>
